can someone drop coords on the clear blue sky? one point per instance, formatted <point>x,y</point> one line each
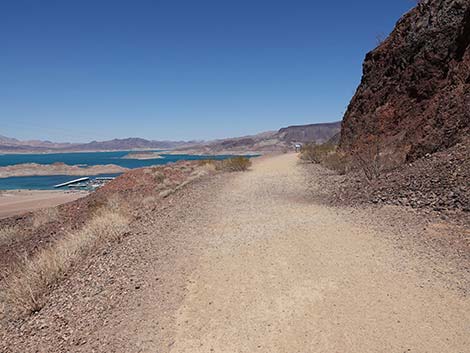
<point>98,69</point>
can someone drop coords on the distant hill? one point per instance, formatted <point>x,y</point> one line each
<point>270,141</point>
<point>264,142</point>
<point>128,144</point>
<point>319,133</point>
<point>8,144</point>
<point>13,144</point>
<point>7,140</point>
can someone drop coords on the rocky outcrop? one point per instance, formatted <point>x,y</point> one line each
<point>414,97</point>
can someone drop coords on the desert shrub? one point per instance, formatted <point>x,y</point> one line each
<point>113,203</point>
<point>205,162</point>
<point>370,159</point>
<point>159,177</point>
<point>97,204</point>
<point>314,153</point>
<point>337,161</point>
<point>8,234</point>
<point>27,287</point>
<point>45,216</point>
<point>235,164</point>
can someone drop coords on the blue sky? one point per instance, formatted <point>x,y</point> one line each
<point>98,69</point>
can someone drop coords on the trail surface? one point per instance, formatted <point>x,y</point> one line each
<point>280,274</point>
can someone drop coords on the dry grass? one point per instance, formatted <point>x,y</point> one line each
<point>327,155</point>
<point>314,153</point>
<point>27,287</point>
<point>8,234</point>
<point>159,177</point>
<point>45,216</point>
<point>235,164</point>
<point>337,161</point>
<point>149,201</point>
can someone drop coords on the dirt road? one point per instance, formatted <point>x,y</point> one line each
<point>280,274</point>
<point>254,265</point>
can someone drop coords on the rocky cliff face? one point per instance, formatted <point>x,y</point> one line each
<point>414,97</point>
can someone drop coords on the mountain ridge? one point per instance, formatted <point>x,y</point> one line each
<point>263,142</point>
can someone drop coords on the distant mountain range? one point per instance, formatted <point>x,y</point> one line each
<point>270,141</point>
<point>8,144</point>
<point>263,142</point>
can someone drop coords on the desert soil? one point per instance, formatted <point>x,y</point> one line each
<point>250,263</point>
<point>17,202</point>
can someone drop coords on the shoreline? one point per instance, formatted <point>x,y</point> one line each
<point>20,201</point>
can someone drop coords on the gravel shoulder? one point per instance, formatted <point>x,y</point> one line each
<point>253,262</point>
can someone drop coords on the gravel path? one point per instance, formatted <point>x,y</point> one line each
<point>280,274</point>
<point>253,265</point>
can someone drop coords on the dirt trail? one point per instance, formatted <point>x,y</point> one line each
<point>247,262</point>
<point>280,274</point>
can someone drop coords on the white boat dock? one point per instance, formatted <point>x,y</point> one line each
<point>72,182</point>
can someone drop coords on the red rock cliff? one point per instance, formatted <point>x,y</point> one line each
<point>414,97</point>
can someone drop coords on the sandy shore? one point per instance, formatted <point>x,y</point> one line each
<point>16,202</point>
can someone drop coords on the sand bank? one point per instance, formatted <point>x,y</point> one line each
<point>16,202</point>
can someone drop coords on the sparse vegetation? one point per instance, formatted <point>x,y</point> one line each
<point>8,234</point>
<point>370,160</point>
<point>327,155</point>
<point>159,177</point>
<point>235,164</point>
<point>44,216</point>
<point>27,287</point>
<point>373,161</point>
<point>338,161</point>
<point>314,153</point>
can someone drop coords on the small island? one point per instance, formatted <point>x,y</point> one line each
<point>143,155</point>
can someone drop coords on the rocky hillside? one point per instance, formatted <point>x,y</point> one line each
<point>320,133</point>
<point>414,97</point>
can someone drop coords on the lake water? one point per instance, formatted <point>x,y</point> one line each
<point>82,158</point>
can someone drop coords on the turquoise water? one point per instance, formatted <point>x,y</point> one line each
<point>38,182</point>
<point>96,158</point>
<point>82,158</point>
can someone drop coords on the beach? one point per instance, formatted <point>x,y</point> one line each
<point>16,202</point>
